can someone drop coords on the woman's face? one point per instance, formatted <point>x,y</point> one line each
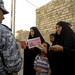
<point>32,32</point>
<point>58,29</point>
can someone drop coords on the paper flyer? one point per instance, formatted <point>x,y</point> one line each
<point>34,42</point>
<point>23,43</point>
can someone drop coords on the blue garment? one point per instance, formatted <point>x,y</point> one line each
<point>9,52</point>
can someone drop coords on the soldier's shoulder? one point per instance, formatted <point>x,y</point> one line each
<point>6,27</point>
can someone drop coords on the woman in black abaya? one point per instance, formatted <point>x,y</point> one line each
<point>62,54</point>
<point>29,54</point>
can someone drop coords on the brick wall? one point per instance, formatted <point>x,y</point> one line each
<point>48,15</point>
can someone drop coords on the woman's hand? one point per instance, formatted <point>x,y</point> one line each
<point>56,48</point>
<point>42,48</point>
<point>23,46</point>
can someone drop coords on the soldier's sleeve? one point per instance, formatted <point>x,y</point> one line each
<point>11,54</point>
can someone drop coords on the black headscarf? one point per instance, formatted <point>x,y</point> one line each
<point>66,37</point>
<point>36,34</point>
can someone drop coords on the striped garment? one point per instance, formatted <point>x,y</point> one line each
<point>42,63</point>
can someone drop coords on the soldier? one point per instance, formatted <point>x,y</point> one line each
<point>10,57</point>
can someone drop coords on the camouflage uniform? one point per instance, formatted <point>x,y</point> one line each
<point>10,57</point>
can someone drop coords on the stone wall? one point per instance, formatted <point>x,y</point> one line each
<point>48,15</point>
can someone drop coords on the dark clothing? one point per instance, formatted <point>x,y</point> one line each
<point>29,56</point>
<point>56,62</point>
<point>63,63</point>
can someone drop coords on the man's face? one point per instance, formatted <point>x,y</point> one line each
<point>1,16</point>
